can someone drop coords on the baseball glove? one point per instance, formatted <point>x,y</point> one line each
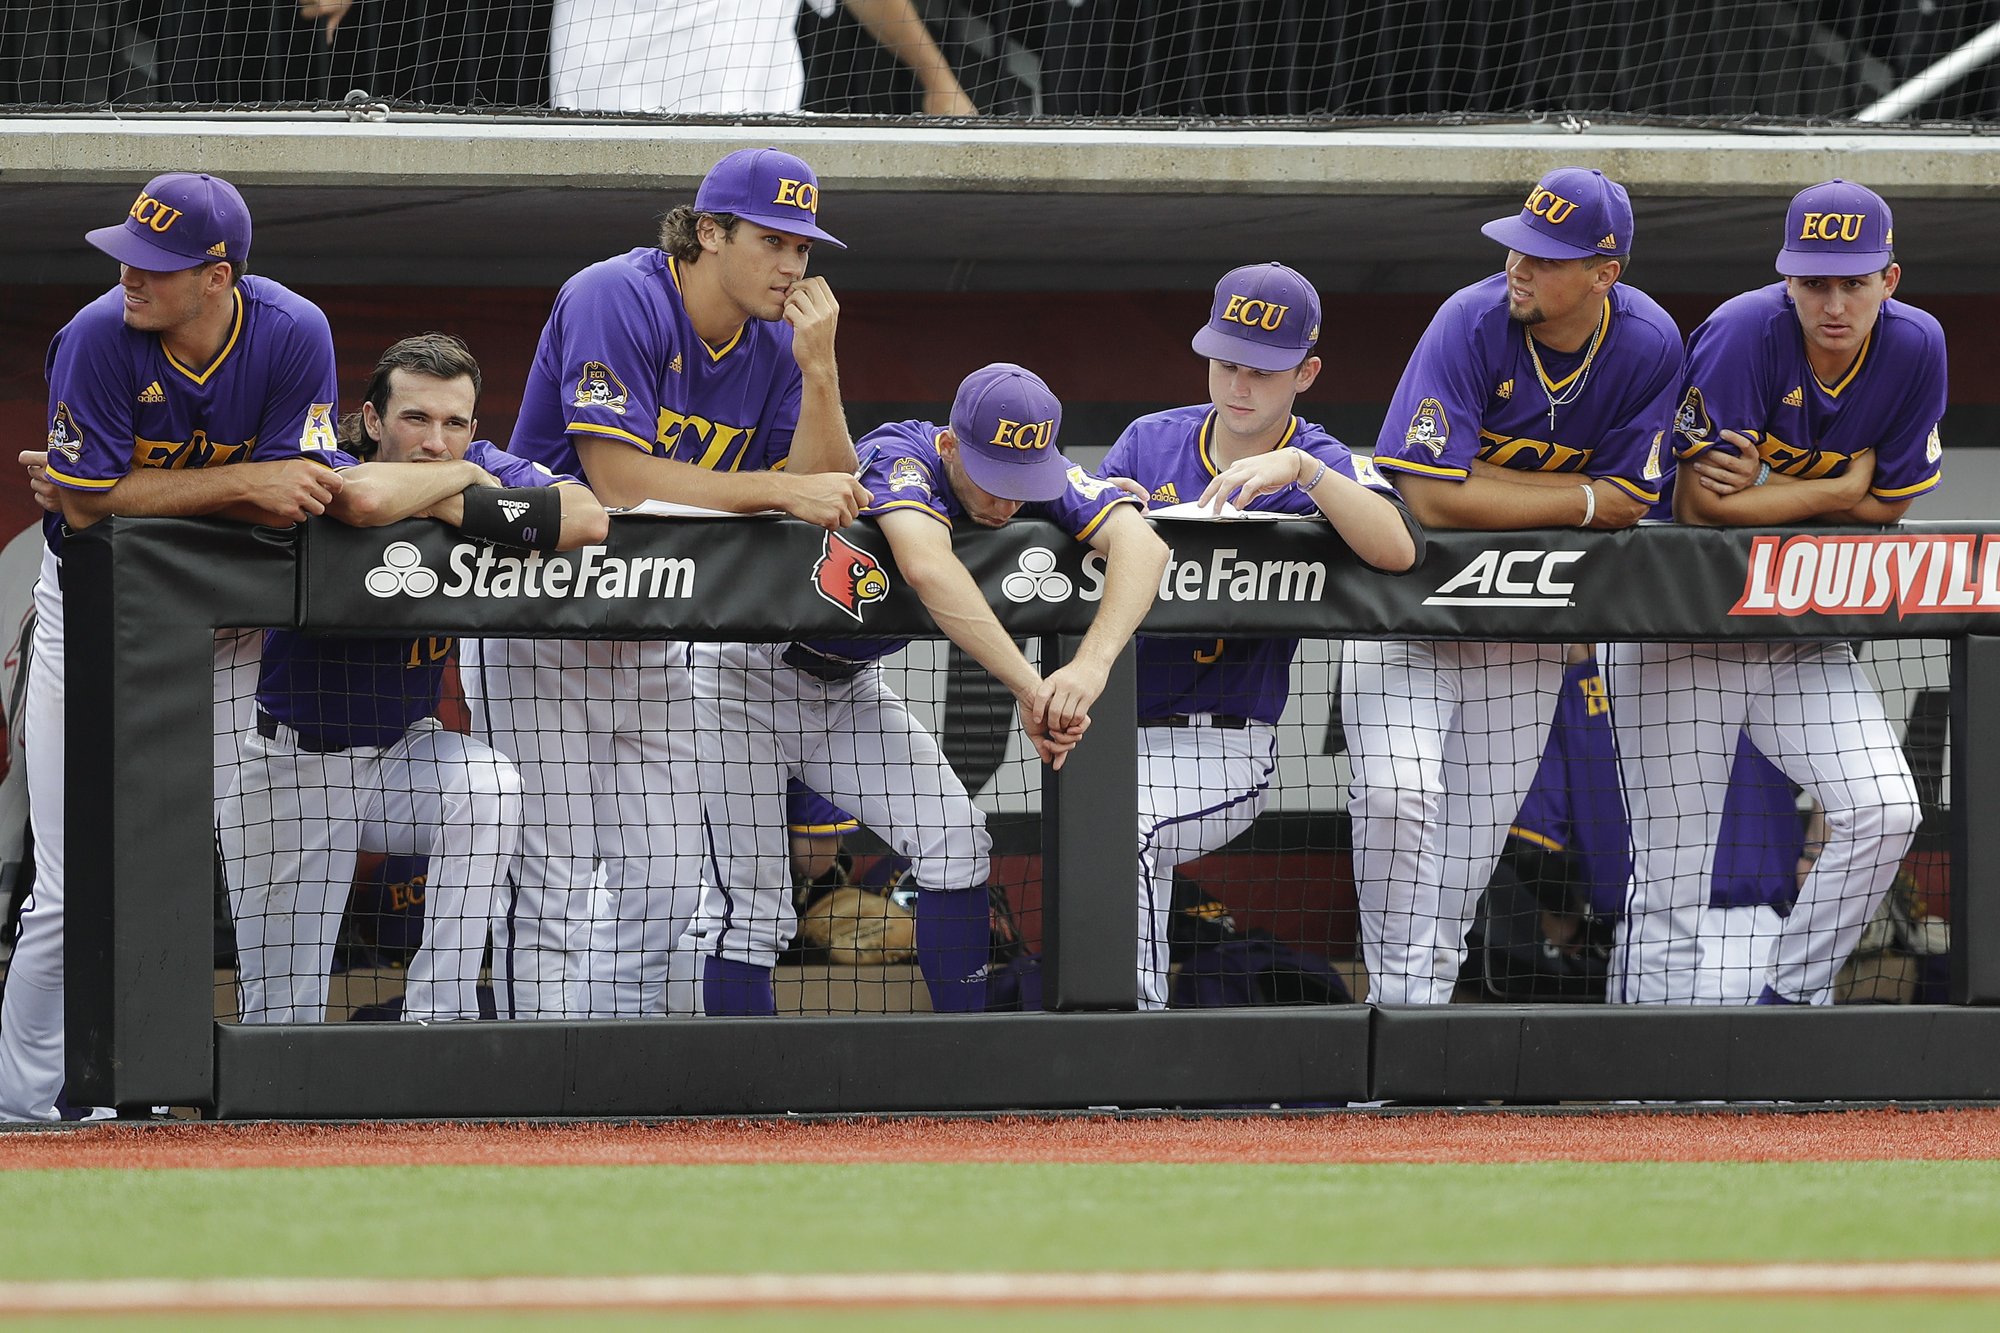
<point>858,927</point>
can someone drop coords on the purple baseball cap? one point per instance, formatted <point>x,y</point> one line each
<point>1837,229</point>
<point>1265,316</point>
<point>769,187</point>
<point>1572,213</point>
<point>179,220</point>
<point>1005,420</point>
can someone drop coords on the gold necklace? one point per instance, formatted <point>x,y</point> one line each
<point>1574,390</point>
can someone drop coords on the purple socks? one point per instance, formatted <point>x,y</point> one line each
<point>730,988</point>
<point>954,946</point>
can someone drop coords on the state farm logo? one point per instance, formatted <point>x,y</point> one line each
<point>1867,576</point>
<point>479,570</point>
<point>401,571</point>
<point>1037,578</point>
<point>1511,578</point>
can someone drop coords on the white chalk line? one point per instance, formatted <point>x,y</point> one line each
<point>861,1290</point>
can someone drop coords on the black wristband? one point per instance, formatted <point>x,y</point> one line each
<point>527,516</point>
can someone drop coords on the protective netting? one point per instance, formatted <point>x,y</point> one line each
<point>1702,60</point>
<point>592,825</point>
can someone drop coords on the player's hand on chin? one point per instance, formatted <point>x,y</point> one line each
<point>37,463</point>
<point>813,314</point>
<point>1248,478</point>
<point>829,500</point>
<point>1727,471</point>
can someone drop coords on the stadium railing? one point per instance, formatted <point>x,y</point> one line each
<point>146,596</point>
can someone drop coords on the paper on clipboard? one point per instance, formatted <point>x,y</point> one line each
<point>675,509</point>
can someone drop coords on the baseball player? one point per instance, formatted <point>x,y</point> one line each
<point>1814,398</point>
<point>701,371</point>
<point>189,388</point>
<point>1208,708</point>
<point>821,712</point>
<point>1575,808</point>
<point>1538,397</point>
<point>347,755</point>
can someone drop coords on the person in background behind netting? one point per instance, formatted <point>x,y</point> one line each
<point>1539,397</point>
<point>347,755</point>
<point>720,57</point>
<point>1208,708</point>
<point>821,712</point>
<point>190,388</point>
<point>1813,399</point>
<point>700,370</point>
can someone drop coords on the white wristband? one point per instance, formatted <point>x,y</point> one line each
<point>1763,474</point>
<point>1589,505</point>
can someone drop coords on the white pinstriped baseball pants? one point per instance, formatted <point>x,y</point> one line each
<point>1445,738</point>
<point>1676,710</point>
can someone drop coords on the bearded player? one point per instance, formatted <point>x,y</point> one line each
<point>822,713</point>
<point>701,371</point>
<point>190,388</point>
<point>347,754</point>
<point>1814,399</point>
<point>1208,708</point>
<point>1539,397</point>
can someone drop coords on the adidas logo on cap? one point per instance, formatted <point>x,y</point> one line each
<point>1610,241</point>
<point>513,509</point>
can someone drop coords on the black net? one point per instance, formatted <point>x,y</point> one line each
<point>1719,61</point>
<point>644,829</point>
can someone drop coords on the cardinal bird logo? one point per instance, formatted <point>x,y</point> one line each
<point>848,576</point>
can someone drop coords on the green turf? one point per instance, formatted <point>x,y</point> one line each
<point>1862,1316</point>
<point>444,1221</point>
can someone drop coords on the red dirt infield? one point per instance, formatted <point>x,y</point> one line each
<point>1432,1136</point>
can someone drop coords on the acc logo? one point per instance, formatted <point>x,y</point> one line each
<point>798,194</point>
<point>848,576</point>
<point>1933,447</point>
<point>401,571</point>
<point>1024,434</point>
<point>1652,470</point>
<point>1691,420</point>
<point>598,387</point>
<point>320,434</point>
<point>1429,428</point>
<point>1510,578</point>
<point>1037,577</point>
<point>64,438</point>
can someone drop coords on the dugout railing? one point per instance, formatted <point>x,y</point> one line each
<point>145,596</point>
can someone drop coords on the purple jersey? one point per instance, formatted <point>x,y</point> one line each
<point>620,360</point>
<point>1576,807</point>
<point>1479,386</point>
<point>811,815</point>
<point>902,469</point>
<point>119,400</point>
<point>347,692</point>
<point>1169,454</point>
<point>1747,371</point>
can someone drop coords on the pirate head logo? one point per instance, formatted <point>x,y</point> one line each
<point>1691,420</point>
<point>598,387</point>
<point>65,441</point>
<point>909,475</point>
<point>848,576</point>
<point>1428,427</point>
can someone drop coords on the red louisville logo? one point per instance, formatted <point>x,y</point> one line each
<point>848,576</point>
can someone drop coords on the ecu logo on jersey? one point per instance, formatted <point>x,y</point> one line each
<point>64,438</point>
<point>598,387</point>
<point>909,475</point>
<point>1691,420</point>
<point>848,576</point>
<point>1429,428</point>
